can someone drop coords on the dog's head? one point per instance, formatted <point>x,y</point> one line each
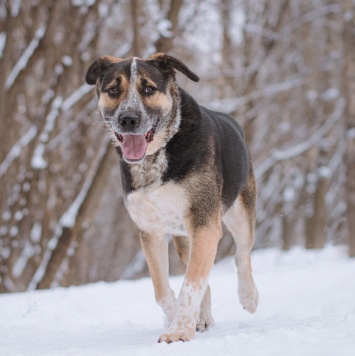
<point>137,99</point>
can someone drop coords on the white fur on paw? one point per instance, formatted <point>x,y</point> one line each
<point>204,323</point>
<point>175,334</point>
<point>249,298</point>
<point>206,319</point>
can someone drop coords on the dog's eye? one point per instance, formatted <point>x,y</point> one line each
<point>149,89</point>
<point>113,91</point>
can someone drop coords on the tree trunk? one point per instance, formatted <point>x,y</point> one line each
<point>165,41</point>
<point>349,92</point>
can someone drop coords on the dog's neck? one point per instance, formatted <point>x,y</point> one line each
<point>150,171</point>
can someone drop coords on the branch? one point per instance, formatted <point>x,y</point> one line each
<point>76,96</point>
<point>2,43</point>
<point>231,104</point>
<point>298,149</point>
<point>17,148</point>
<point>26,55</point>
<point>38,161</point>
<point>68,219</point>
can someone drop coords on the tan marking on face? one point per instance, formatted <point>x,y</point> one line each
<point>159,100</point>
<point>148,80</point>
<point>106,102</point>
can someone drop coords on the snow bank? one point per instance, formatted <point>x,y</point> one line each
<point>306,308</point>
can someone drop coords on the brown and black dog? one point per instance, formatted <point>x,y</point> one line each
<point>184,170</point>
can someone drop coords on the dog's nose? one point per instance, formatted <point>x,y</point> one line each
<point>128,122</point>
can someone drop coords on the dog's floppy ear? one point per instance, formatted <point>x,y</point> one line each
<point>98,67</point>
<point>170,61</point>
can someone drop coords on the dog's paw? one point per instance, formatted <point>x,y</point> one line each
<point>249,298</point>
<point>205,321</point>
<point>177,334</point>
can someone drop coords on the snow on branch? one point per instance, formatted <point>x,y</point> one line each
<point>312,16</point>
<point>38,161</point>
<point>68,219</point>
<point>15,8</point>
<point>76,96</point>
<point>2,43</point>
<point>231,104</point>
<point>72,126</point>
<point>79,3</point>
<point>295,24</point>
<point>17,148</point>
<point>135,267</point>
<point>298,149</point>
<point>26,55</point>
<point>164,28</point>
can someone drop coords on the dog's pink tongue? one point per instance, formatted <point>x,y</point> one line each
<point>134,146</point>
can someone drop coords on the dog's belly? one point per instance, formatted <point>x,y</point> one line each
<point>159,210</point>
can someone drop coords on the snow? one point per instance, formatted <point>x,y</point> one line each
<point>2,43</point>
<point>36,232</point>
<point>16,4</point>
<point>351,133</point>
<point>79,3</point>
<point>331,94</point>
<point>306,308</point>
<point>21,262</point>
<point>13,231</point>
<point>164,28</point>
<point>67,60</point>
<point>18,215</point>
<point>325,172</point>
<point>38,161</point>
<point>289,194</point>
<point>6,215</point>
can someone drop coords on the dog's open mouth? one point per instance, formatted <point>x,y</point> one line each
<point>135,146</point>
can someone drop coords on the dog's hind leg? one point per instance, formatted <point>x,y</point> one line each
<point>155,247</point>
<point>240,220</point>
<point>205,320</point>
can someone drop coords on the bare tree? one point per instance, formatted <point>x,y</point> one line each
<point>349,92</point>
<point>283,69</point>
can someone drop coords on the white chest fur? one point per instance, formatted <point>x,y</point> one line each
<point>159,210</point>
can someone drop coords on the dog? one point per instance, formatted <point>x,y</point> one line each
<point>185,169</point>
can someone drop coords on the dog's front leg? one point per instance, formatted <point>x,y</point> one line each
<point>155,247</point>
<point>204,241</point>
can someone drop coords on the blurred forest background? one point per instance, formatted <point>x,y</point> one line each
<point>284,69</point>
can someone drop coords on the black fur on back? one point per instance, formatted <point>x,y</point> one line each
<point>188,151</point>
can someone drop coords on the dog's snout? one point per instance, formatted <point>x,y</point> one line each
<point>129,122</point>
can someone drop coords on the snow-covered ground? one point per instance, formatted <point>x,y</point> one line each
<point>307,307</point>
